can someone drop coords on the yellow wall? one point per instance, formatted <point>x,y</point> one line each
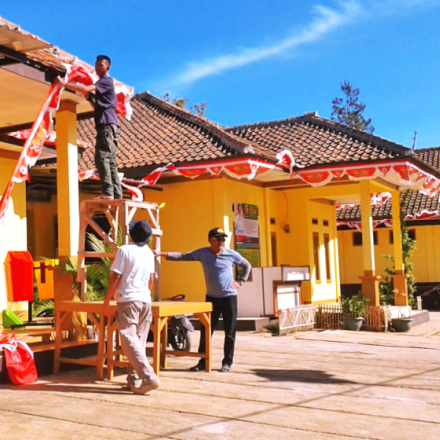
<point>426,258</point>
<point>13,234</point>
<point>327,289</point>
<point>191,209</point>
<point>43,223</point>
<point>293,208</point>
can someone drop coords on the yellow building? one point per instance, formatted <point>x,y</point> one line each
<point>292,172</point>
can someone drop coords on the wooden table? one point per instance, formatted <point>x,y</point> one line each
<point>162,312</point>
<point>94,310</point>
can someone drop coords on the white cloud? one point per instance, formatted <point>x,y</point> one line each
<point>326,20</point>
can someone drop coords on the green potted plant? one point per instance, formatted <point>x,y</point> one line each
<point>353,312</point>
<point>402,323</point>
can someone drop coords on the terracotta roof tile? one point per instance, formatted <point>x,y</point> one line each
<point>160,132</point>
<point>317,141</point>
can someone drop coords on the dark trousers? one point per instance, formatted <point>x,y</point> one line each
<point>228,308</point>
<point>105,160</point>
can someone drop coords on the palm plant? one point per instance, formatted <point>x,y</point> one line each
<point>98,274</point>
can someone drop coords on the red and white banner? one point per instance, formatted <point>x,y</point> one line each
<point>237,168</point>
<point>37,136</point>
<point>397,172</point>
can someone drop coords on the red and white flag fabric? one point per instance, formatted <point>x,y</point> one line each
<point>38,135</point>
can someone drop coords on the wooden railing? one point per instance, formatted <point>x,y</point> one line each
<point>330,316</point>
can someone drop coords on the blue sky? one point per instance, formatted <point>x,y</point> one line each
<point>262,60</point>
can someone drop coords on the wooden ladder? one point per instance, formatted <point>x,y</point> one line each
<point>119,214</point>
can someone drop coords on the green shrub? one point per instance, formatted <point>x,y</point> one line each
<point>354,307</point>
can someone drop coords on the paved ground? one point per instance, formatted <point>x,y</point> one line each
<point>318,385</point>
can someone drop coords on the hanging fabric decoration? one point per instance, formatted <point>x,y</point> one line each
<point>36,137</point>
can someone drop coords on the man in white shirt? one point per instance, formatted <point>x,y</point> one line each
<point>132,275</point>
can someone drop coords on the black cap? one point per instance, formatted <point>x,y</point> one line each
<point>140,232</point>
<point>217,232</point>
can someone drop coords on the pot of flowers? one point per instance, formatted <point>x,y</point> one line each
<point>402,323</point>
<point>353,312</point>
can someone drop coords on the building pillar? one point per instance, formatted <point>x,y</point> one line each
<point>370,281</point>
<point>68,213</point>
<point>67,180</point>
<point>399,279</point>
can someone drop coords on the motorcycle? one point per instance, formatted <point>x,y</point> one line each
<point>179,329</point>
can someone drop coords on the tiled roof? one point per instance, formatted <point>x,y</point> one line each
<point>160,133</point>
<point>317,141</point>
<point>429,155</point>
<point>414,203</point>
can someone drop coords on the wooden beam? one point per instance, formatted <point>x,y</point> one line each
<point>13,54</point>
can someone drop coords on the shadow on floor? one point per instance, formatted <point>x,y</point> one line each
<point>312,376</point>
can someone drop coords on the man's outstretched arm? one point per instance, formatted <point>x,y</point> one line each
<point>176,256</point>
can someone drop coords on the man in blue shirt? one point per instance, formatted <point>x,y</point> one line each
<point>107,126</point>
<point>221,288</point>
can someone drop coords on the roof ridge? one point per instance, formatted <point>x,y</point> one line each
<point>230,140</point>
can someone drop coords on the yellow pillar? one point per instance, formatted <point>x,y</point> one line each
<point>68,211</point>
<point>399,279</point>
<point>370,281</point>
<point>67,180</point>
<point>268,237</point>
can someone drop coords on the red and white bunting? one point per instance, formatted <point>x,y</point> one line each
<point>398,172</point>
<point>136,193</point>
<point>286,160</point>
<point>378,199</point>
<point>37,136</point>
<point>358,225</point>
<point>423,214</point>
<point>237,168</point>
<point>154,176</point>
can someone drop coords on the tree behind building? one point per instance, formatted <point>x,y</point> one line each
<point>349,111</point>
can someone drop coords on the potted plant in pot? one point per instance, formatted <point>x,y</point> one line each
<point>402,323</point>
<point>353,312</point>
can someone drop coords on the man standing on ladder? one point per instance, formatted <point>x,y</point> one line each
<point>102,96</point>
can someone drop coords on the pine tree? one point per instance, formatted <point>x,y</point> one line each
<point>349,111</point>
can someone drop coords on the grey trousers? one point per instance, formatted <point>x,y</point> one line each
<point>134,319</point>
<point>105,160</point>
